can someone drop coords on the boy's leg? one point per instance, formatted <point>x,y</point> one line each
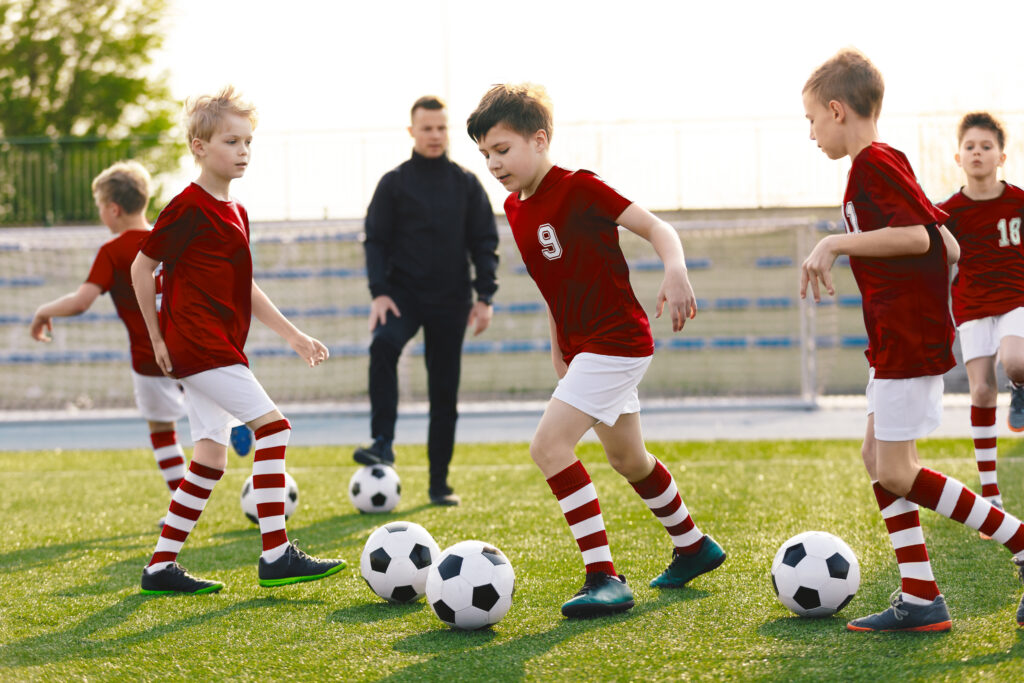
<point>163,574</point>
<point>694,553</point>
<point>161,402</point>
<point>443,332</point>
<point>560,429</point>
<point>386,347</point>
<point>981,375</point>
<point>170,458</point>
<point>1011,355</point>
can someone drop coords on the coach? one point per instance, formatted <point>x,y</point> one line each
<point>428,220</point>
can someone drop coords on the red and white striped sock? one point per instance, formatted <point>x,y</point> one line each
<point>578,499</point>
<point>187,504</point>
<point>951,499</point>
<point>659,492</point>
<point>269,486</point>
<point>904,525</point>
<point>169,457</point>
<point>983,431</point>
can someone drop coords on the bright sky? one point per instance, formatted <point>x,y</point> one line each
<point>329,64</point>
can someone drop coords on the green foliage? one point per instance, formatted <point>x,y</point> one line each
<point>79,526</point>
<point>75,83</point>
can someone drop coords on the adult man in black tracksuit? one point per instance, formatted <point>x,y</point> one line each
<point>428,219</point>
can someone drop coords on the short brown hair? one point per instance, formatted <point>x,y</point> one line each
<point>850,78</point>
<point>985,121</point>
<point>126,184</point>
<point>205,112</point>
<point>524,107</point>
<point>432,102</point>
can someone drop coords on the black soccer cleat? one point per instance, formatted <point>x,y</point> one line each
<point>173,579</point>
<point>377,453</point>
<point>444,497</point>
<point>296,566</point>
<point>905,616</point>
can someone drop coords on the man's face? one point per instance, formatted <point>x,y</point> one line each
<point>429,131</point>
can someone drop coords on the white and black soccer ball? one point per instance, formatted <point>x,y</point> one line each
<point>471,585</point>
<point>375,488</point>
<point>815,574</point>
<point>396,560</point>
<point>291,498</point>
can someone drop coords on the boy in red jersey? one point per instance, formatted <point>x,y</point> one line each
<point>209,296</point>
<point>900,255</point>
<point>988,291</point>
<point>122,193</point>
<point>566,227</point>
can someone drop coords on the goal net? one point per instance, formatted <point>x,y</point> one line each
<point>752,337</point>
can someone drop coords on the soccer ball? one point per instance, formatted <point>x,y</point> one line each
<point>396,559</point>
<point>291,498</point>
<point>471,585</point>
<point>375,488</point>
<point>815,574</point>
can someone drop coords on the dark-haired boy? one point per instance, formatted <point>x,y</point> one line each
<point>900,255</point>
<point>566,227</point>
<point>988,291</point>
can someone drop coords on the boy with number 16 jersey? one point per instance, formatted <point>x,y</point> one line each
<point>988,290</point>
<point>566,227</point>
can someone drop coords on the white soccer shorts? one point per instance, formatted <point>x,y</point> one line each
<point>980,338</point>
<point>905,409</point>
<point>160,399</point>
<point>603,387</point>
<point>218,399</point>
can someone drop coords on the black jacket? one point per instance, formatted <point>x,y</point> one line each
<point>428,219</point>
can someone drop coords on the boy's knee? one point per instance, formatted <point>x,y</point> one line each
<point>1014,371</point>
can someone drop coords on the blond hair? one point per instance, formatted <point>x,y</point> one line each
<point>126,184</point>
<point>205,112</point>
<point>524,108</point>
<point>849,77</point>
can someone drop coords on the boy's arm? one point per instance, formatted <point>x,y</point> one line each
<point>73,303</point>
<point>556,353</point>
<point>952,246</point>
<point>144,285</point>
<point>675,289</point>
<point>882,243</point>
<point>308,348</point>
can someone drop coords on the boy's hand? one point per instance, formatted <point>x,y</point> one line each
<point>818,266</point>
<point>310,350</point>
<point>379,308</point>
<point>480,317</point>
<point>41,328</point>
<point>678,294</point>
<point>163,358</point>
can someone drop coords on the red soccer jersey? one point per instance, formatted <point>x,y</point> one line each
<point>203,244</point>
<point>990,276</point>
<point>905,299</point>
<point>112,272</point>
<point>567,235</point>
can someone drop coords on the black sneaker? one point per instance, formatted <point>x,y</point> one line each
<point>377,453</point>
<point>906,616</point>
<point>445,497</point>
<point>174,579</point>
<point>296,566</point>
<point>1015,418</point>
<point>601,594</point>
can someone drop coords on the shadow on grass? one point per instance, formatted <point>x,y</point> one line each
<point>369,613</point>
<point>81,641</point>
<point>48,555</point>
<point>468,655</point>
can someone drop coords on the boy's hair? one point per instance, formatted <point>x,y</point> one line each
<point>524,107</point>
<point>985,121</point>
<point>850,78</point>
<point>432,102</point>
<point>126,184</point>
<point>204,113</point>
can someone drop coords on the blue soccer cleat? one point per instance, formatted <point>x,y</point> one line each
<point>601,595</point>
<point>683,568</point>
<point>241,440</point>
<point>905,616</point>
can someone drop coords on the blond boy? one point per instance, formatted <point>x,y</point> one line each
<point>900,254</point>
<point>209,296</point>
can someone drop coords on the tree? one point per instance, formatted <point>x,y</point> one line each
<point>77,74</point>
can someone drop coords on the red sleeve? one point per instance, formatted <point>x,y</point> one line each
<point>601,199</point>
<point>102,272</point>
<point>899,198</point>
<point>174,229</point>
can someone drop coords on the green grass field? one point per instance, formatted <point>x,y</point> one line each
<point>78,526</point>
